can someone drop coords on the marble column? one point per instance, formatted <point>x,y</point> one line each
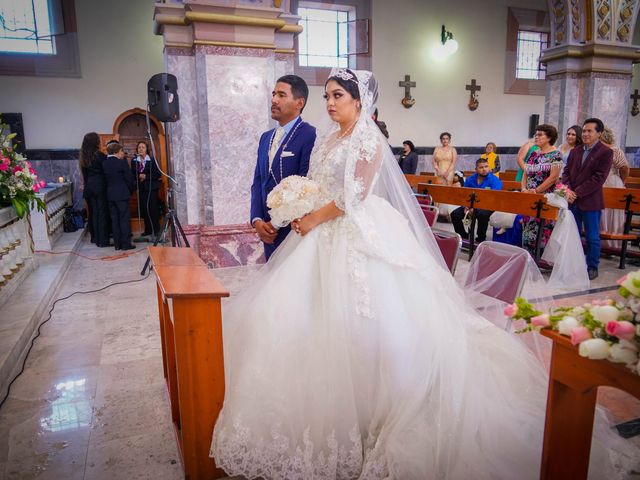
<point>226,56</point>
<point>589,63</point>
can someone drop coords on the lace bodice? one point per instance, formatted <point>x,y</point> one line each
<point>344,176</point>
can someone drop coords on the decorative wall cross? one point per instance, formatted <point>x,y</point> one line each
<point>635,96</point>
<point>407,101</point>
<point>473,97</point>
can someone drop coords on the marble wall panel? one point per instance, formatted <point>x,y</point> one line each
<point>185,142</point>
<point>50,170</point>
<point>467,162</point>
<point>238,97</point>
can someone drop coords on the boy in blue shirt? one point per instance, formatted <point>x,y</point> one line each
<point>483,178</point>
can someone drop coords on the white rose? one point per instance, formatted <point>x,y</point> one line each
<point>606,313</point>
<point>578,310</point>
<point>567,324</point>
<point>632,283</point>
<point>594,348</point>
<point>619,354</point>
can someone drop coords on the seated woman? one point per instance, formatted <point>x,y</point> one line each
<point>613,220</point>
<point>542,170</point>
<point>492,157</point>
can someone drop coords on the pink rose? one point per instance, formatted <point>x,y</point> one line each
<point>624,330</point>
<point>17,168</point>
<point>4,167</point>
<point>579,335</point>
<point>42,183</point>
<point>540,320</point>
<point>511,310</point>
<point>35,187</point>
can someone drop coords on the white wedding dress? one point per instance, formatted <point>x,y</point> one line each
<point>355,355</point>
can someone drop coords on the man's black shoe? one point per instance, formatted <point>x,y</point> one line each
<point>128,247</point>
<point>593,273</point>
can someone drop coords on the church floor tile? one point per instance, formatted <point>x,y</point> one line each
<point>92,402</point>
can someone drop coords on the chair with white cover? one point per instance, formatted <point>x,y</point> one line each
<point>449,244</point>
<point>430,213</point>
<point>498,270</point>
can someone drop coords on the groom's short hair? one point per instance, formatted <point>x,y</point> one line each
<point>299,87</point>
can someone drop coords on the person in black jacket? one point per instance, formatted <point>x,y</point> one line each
<point>94,188</point>
<point>409,159</point>
<point>120,185</point>
<point>147,175</point>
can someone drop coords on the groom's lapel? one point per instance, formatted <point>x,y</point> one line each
<point>275,166</point>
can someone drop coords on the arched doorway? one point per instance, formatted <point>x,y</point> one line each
<point>131,127</point>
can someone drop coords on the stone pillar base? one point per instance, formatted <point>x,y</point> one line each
<point>226,245</point>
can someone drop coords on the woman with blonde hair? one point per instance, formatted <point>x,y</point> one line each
<point>613,220</point>
<point>491,157</point>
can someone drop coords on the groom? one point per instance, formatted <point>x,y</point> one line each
<point>282,151</point>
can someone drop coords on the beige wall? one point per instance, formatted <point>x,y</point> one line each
<point>118,54</point>
<point>403,33</point>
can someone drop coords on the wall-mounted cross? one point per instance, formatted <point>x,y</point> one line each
<point>407,101</point>
<point>473,98</point>
<point>635,96</point>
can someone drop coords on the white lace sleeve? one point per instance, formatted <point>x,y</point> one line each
<point>361,170</point>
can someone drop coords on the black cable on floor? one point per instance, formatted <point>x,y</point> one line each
<point>24,362</point>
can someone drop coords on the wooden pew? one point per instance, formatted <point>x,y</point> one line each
<point>571,403</point>
<point>415,180</point>
<point>626,199</point>
<point>189,306</point>
<point>510,185</point>
<point>531,204</point>
<point>508,175</point>
<point>634,172</point>
<point>632,182</point>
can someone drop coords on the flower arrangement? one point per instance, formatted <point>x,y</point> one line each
<point>18,180</point>
<point>292,198</point>
<point>562,190</point>
<point>602,329</point>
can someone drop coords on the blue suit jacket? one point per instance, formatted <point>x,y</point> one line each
<point>299,143</point>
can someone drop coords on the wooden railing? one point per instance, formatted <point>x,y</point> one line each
<point>189,307</point>
<point>571,403</point>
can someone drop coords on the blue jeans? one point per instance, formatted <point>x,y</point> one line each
<point>591,222</point>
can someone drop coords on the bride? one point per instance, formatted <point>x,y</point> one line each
<point>354,354</point>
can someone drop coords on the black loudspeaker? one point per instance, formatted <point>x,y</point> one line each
<point>162,96</point>
<point>534,121</point>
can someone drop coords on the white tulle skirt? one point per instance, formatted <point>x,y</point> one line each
<point>343,361</point>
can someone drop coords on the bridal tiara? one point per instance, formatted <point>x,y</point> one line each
<point>345,75</point>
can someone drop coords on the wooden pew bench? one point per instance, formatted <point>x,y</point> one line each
<point>415,180</point>
<point>508,175</point>
<point>530,204</point>
<point>626,199</point>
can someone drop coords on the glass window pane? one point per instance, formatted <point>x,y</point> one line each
<point>25,27</point>
<point>324,40</point>
<point>530,47</point>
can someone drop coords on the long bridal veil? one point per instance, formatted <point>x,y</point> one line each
<point>387,180</point>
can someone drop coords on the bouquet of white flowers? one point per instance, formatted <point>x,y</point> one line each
<point>292,198</point>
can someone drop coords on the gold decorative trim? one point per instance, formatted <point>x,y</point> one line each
<point>233,19</point>
<point>291,29</point>
<point>223,19</point>
<point>285,50</point>
<point>265,46</point>
<point>179,45</point>
<point>606,51</point>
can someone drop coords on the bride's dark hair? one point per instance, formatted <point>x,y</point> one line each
<point>350,84</point>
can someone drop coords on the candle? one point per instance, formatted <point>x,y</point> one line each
<point>60,179</point>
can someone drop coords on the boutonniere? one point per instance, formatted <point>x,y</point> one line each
<point>287,154</point>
